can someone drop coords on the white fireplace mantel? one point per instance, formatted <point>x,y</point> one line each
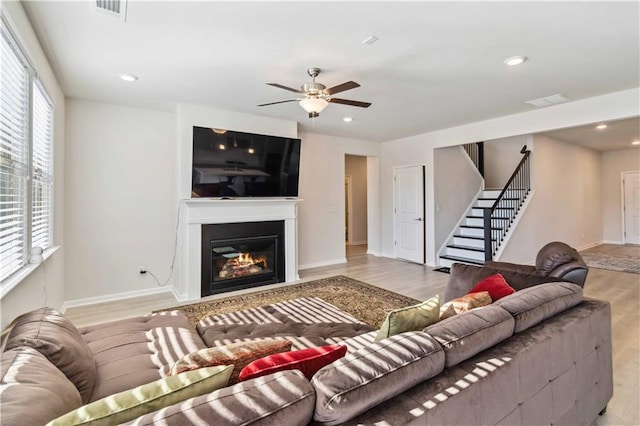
<point>202,211</point>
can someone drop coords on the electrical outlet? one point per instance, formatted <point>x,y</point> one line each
<point>142,270</point>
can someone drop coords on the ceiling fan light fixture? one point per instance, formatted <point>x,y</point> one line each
<point>313,105</point>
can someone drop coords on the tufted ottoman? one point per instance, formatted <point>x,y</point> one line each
<point>306,322</point>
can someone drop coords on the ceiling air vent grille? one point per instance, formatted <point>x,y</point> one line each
<point>113,8</point>
<point>548,101</point>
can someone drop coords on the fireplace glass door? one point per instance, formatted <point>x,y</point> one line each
<point>243,260</point>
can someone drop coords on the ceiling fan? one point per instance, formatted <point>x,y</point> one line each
<point>317,96</point>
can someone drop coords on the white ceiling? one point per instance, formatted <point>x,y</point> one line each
<point>618,135</point>
<point>436,64</point>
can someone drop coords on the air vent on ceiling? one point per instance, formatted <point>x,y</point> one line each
<point>548,101</point>
<point>113,8</point>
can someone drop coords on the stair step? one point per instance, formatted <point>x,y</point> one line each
<point>479,227</point>
<point>461,247</point>
<point>471,237</point>
<point>462,259</point>
<point>493,218</point>
<point>493,199</point>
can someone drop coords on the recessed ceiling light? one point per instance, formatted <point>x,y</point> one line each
<point>515,60</point>
<point>129,77</point>
<point>347,119</point>
<point>601,126</point>
<point>370,40</point>
<point>222,147</point>
<point>251,151</point>
<point>635,143</point>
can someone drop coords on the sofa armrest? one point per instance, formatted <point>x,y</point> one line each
<point>281,398</point>
<point>512,267</point>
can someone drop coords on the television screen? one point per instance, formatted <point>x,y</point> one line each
<point>236,164</point>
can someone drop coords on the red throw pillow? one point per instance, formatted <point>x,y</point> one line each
<point>307,360</point>
<point>496,285</point>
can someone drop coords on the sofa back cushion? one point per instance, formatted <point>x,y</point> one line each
<point>466,334</point>
<point>127,405</point>
<point>369,376</point>
<point>535,304</point>
<point>282,398</point>
<point>32,390</point>
<point>54,336</point>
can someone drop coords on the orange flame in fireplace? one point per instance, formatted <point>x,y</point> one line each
<point>245,259</point>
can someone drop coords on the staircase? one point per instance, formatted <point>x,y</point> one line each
<point>473,242</point>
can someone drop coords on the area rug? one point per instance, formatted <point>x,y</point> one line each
<point>367,303</point>
<point>622,263</point>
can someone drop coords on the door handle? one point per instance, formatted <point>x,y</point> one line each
<point>418,219</point>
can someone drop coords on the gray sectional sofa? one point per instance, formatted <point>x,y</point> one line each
<point>539,356</point>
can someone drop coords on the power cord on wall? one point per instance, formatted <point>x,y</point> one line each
<point>175,251</point>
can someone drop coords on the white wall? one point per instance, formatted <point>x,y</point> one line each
<point>356,167</point>
<point>501,156</point>
<point>456,185</point>
<point>566,204</point>
<point>613,164</point>
<point>419,149</point>
<point>120,206</point>
<point>321,213</point>
<point>29,294</point>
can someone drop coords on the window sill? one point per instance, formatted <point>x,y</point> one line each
<point>15,279</point>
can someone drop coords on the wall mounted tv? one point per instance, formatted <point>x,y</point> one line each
<point>235,164</point>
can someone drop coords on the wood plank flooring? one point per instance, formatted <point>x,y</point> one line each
<point>621,289</point>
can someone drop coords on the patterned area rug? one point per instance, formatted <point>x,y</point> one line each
<point>622,263</point>
<point>368,303</point>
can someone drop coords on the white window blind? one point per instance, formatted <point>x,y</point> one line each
<point>14,154</point>
<point>41,169</point>
<point>26,158</point>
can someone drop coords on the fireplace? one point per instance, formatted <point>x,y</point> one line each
<point>241,255</point>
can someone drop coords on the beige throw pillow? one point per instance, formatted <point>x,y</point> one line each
<point>130,404</point>
<point>411,318</point>
<point>465,303</point>
<point>239,354</point>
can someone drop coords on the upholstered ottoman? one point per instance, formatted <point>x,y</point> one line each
<point>306,322</point>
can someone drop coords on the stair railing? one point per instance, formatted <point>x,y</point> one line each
<point>504,209</point>
<point>475,151</point>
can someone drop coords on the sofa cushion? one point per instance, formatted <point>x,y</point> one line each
<point>411,318</point>
<point>129,404</point>
<point>32,390</point>
<point>283,398</point>
<point>471,332</point>
<point>239,354</point>
<point>139,350</point>
<point>535,304</point>
<point>54,336</point>
<point>308,361</point>
<point>496,285</point>
<point>371,375</point>
<point>464,303</point>
<point>464,277</point>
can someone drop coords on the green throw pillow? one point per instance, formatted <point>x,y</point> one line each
<point>411,318</point>
<point>130,404</point>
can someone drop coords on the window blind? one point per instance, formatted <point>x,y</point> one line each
<point>14,154</point>
<point>41,169</point>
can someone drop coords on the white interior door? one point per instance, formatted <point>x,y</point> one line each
<point>631,185</point>
<point>409,213</point>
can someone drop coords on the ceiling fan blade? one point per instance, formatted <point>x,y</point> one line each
<point>342,87</point>
<point>279,102</point>
<point>351,103</point>
<point>280,86</point>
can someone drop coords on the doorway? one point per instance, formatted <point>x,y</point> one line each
<point>408,213</point>
<point>355,195</point>
<point>631,207</point>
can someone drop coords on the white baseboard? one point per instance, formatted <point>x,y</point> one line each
<point>179,297</point>
<point>591,245</point>
<point>117,296</point>
<point>619,242</point>
<point>324,263</point>
<point>357,243</point>
<point>374,253</point>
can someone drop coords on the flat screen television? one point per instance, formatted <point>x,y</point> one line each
<point>236,164</point>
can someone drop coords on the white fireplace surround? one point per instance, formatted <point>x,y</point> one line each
<point>204,211</point>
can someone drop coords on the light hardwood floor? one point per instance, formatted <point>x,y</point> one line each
<point>621,289</point>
